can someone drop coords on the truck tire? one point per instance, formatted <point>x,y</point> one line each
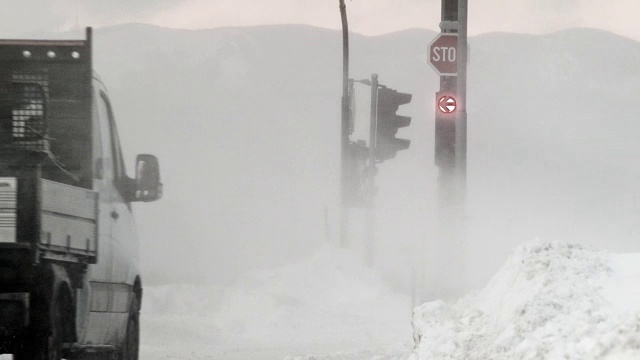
<point>44,341</point>
<point>131,344</point>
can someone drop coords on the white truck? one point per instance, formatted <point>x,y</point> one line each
<point>70,284</point>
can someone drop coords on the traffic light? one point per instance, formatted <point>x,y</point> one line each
<point>388,123</point>
<point>357,195</point>
<point>445,141</point>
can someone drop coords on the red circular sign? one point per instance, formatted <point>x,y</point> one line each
<point>443,54</point>
<point>447,104</point>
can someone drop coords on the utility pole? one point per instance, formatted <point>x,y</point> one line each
<point>448,85</point>
<point>461,119</point>
<point>448,251</point>
<point>371,171</point>
<point>344,139</point>
<point>383,145</point>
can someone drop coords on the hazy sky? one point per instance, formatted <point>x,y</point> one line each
<point>365,16</point>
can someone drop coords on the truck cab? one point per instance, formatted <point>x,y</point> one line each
<point>70,283</point>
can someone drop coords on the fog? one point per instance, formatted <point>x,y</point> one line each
<point>246,121</point>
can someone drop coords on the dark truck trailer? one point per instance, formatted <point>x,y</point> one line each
<point>69,278</point>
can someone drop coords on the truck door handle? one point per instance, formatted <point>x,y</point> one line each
<point>114,215</point>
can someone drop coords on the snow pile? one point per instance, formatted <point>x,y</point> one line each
<point>549,301</point>
<point>327,303</point>
<point>390,352</point>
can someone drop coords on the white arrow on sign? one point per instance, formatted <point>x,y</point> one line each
<point>447,104</point>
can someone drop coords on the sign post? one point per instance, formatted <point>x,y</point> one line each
<point>448,56</point>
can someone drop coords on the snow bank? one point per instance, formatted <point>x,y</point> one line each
<point>329,302</point>
<point>390,352</point>
<point>549,301</point>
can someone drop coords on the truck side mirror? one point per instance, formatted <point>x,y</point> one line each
<point>148,185</point>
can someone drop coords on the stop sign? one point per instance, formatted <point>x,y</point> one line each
<point>443,54</point>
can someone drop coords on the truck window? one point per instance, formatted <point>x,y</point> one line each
<point>98,156</point>
<point>119,171</point>
<point>106,162</point>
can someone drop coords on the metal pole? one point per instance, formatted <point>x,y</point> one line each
<point>369,245</point>
<point>461,120</point>
<point>447,268</point>
<point>344,139</point>
<point>373,127</point>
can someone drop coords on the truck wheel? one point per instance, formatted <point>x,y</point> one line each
<point>45,340</point>
<point>131,344</point>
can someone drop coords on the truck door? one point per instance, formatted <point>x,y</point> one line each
<point>95,300</point>
<point>123,235</point>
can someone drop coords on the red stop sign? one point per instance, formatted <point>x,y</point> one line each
<point>443,54</point>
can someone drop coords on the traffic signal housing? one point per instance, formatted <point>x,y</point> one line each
<point>388,123</point>
<point>445,132</point>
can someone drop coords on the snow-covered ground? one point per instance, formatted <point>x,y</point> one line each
<point>549,301</point>
<point>329,303</point>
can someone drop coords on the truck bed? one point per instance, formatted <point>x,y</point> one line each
<point>69,222</point>
<point>66,216</point>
